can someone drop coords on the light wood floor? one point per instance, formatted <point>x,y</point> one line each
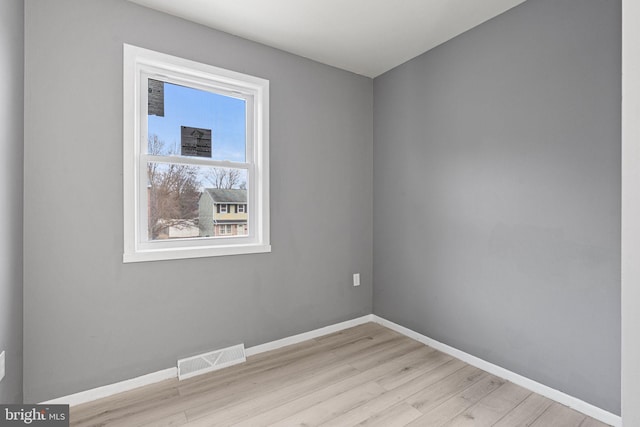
<point>365,376</point>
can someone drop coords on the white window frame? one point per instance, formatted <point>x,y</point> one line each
<point>240,208</point>
<point>141,64</point>
<point>225,206</point>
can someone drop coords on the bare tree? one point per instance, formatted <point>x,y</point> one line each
<point>224,178</point>
<point>173,192</point>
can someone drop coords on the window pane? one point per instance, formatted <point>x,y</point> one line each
<point>184,121</point>
<point>186,201</point>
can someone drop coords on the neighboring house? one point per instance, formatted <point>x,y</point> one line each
<point>223,212</point>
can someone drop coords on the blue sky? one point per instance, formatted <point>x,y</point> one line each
<point>224,115</point>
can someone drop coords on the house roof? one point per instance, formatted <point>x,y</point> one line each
<point>221,195</point>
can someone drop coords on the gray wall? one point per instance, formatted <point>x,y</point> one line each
<point>90,320</point>
<point>11,146</point>
<point>497,195</point>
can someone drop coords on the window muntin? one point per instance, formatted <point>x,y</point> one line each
<point>165,175</point>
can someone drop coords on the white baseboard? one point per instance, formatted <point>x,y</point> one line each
<point>553,394</point>
<point>154,377</point>
<point>111,389</point>
<point>273,345</point>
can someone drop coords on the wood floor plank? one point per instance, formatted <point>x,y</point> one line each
<point>590,422</point>
<point>123,405</point>
<point>346,334</point>
<point>449,409</point>
<point>558,415</point>
<point>374,359</point>
<point>248,391</point>
<point>526,413</point>
<point>366,345</point>
<point>491,407</point>
<point>398,416</point>
<point>366,375</point>
<point>244,408</point>
<point>175,420</point>
<point>427,378</point>
<point>399,394</point>
<point>356,341</point>
<point>412,370</point>
<point>215,396</point>
<point>332,407</point>
<point>305,400</point>
<point>437,393</point>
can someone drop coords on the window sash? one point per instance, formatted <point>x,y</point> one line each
<point>144,157</point>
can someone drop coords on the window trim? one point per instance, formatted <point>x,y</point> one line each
<point>139,64</point>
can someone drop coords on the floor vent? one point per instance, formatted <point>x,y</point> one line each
<point>212,361</point>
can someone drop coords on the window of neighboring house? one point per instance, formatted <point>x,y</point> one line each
<point>242,208</point>
<point>191,130</point>
<point>225,229</point>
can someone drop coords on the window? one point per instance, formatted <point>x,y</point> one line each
<point>192,133</point>
<point>242,208</point>
<point>225,229</point>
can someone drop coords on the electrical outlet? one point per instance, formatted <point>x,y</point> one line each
<point>356,279</point>
<point>1,366</point>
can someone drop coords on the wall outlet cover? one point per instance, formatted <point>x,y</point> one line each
<point>356,279</point>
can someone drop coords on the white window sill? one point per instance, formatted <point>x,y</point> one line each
<point>197,252</point>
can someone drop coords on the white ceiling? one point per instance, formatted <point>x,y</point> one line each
<point>366,37</point>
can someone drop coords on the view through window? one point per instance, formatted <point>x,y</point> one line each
<point>195,200</point>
